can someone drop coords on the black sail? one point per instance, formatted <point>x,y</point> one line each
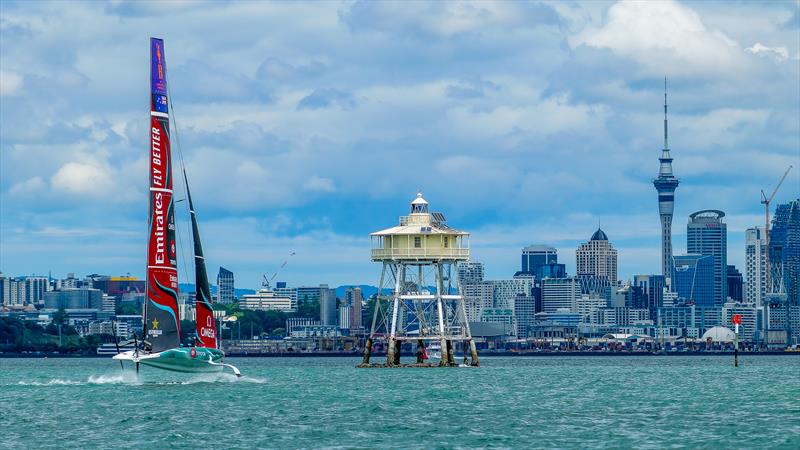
<point>206,330</point>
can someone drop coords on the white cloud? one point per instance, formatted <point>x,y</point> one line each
<point>663,36</point>
<point>31,186</point>
<point>83,178</point>
<point>779,53</point>
<point>10,83</point>
<point>315,183</point>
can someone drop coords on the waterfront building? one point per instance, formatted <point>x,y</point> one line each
<point>692,319</point>
<point>597,257</point>
<point>665,185</point>
<point>536,256</point>
<point>524,313</point>
<point>653,288</point>
<point>477,296</point>
<point>755,266</point>
<point>3,287</point>
<point>119,286</point>
<point>109,303</point>
<point>619,316</point>
<point>265,300</point>
<point>561,317</point>
<point>506,291</point>
<point>694,279</point>
<point>35,288</point>
<point>70,282</point>
<point>707,235</point>
<point>470,272</point>
<point>592,284</point>
<point>735,283</point>
<point>344,317</point>
<point>560,293</point>
<point>14,292</point>
<point>627,296</point>
<point>784,249</point>
<point>669,298</point>
<point>226,293</point>
<point>749,313</point>
<point>74,299</point>
<point>499,315</point>
<point>327,306</point>
<point>132,324</point>
<point>354,299</point>
<point>281,290</point>
<point>587,305</point>
<point>294,323</point>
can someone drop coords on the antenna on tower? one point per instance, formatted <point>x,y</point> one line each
<point>666,146</point>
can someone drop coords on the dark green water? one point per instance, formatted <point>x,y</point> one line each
<point>553,402</point>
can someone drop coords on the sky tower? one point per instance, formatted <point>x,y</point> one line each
<point>665,184</point>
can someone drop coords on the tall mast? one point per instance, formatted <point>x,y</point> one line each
<point>161,319</point>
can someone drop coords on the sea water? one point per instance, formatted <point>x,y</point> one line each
<point>513,402</point>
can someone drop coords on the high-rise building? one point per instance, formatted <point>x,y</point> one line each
<point>524,313</point>
<point>536,256</point>
<point>225,290</point>
<point>597,257</point>
<point>14,292</point>
<point>735,282</point>
<point>665,185</point>
<point>784,249</point>
<point>35,287</point>
<point>707,235</point>
<point>344,317</point>
<point>354,299</point>
<point>3,288</point>
<point>281,290</point>
<point>470,272</point>
<point>694,279</point>
<point>327,306</point>
<point>755,266</point>
<point>560,293</point>
<point>477,297</point>
<point>653,288</point>
<point>84,298</point>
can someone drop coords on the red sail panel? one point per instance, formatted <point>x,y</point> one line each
<point>161,307</point>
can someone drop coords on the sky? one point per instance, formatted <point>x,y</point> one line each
<point>304,126</point>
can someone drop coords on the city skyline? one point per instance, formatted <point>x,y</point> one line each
<point>553,128</point>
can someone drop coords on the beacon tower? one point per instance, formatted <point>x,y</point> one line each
<point>665,184</point>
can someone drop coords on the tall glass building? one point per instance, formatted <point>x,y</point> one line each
<point>225,290</point>
<point>707,235</point>
<point>535,256</point>
<point>694,279</point>
<point>784,247</point>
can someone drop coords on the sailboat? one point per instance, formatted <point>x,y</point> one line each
<point>160,345</point>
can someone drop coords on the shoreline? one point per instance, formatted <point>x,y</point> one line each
<point>383,355</point>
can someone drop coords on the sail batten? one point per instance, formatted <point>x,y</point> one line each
<point>161,320</point>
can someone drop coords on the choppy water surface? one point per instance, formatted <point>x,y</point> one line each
<point>564,402</point>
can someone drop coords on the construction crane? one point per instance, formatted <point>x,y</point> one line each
<point>766,202</point>
<point>267,282</point>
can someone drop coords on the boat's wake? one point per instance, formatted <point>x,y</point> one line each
<point>130,378</point>
<point>223,378</point>
<point>53,382</point>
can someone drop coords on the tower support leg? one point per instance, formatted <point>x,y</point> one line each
<point>391,359</point>
<point>368,344</point>
<point>440,313</point>
<point>472,349</point>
